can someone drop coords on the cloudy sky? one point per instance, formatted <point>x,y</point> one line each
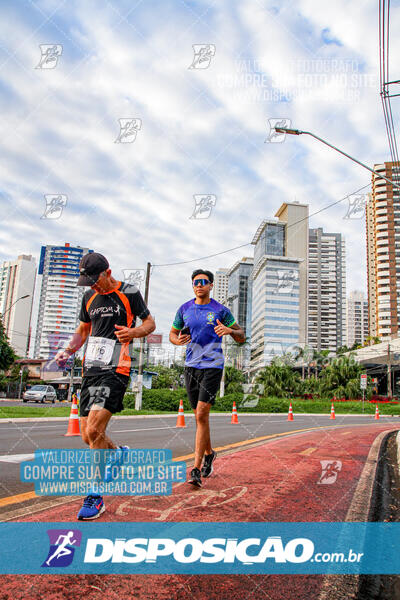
<point>193,85</point>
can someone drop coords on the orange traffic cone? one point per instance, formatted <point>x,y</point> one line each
<point>180,422</point>
<point>234,419</point>
<point>73,423</point>
<point>376,413</point>
<point>332,412</point>
<point>290,414</point>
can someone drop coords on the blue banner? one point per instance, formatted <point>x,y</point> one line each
<point>120,472</point>
<point>201,548</point>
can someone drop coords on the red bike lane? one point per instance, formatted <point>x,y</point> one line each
<point>307,476</point>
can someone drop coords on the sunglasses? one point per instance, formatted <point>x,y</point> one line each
<point>200,282</point>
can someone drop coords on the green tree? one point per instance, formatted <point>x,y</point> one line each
<point>279,379</point>
<point>341,378</point>
<point>7,354</point>
<point>342,350</point>
<point>167,377</point>
<point>233,380</point>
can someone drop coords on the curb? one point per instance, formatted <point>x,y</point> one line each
<point>337,587</point>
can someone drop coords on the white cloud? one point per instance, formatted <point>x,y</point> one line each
<point>202,131</point>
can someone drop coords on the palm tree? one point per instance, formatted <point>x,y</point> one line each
<point>304,353</point>
<point>341,378</point>
<point>279,380</point>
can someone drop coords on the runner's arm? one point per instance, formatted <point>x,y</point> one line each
<point>77,340</point>
<point>234,330</point>
<point>79,337</point>
<point>148,326</point>
<point>126,334</point>
<point>177,339</point>
<point>238,334</point>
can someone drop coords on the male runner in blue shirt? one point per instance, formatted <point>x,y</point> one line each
<point>201,323</point>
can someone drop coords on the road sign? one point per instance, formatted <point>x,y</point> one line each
<point>154,338</point>
<point>363,381</point>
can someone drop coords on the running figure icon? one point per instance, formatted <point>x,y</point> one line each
<point>62,546</point>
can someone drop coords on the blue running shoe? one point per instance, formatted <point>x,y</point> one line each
<point>116,459</point>
<point>92,508</point>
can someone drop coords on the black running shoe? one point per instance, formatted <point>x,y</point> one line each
<point>207,464</point>
<point>195,478</point>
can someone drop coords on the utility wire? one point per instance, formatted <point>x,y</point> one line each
<point>185,262</point>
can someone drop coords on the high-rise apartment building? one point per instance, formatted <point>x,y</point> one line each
<point>279,295</point>
<point>220,288</point>
<point>59,298</point>
<point>383,252</point>
<point>17,279</point>
<point>356,319</point>
<point>326,290</point>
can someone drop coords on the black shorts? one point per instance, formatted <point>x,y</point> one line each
<point>202,384</point>
<point>105,390</point>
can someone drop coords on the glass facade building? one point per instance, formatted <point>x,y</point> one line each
<point>275,311</point>
<point>239,301</point>
<point>275,321</point>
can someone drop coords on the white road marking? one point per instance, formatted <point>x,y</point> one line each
<point>146,429</point>
<point>16,458</point>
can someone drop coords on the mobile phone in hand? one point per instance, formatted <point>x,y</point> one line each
<point>185,331</point>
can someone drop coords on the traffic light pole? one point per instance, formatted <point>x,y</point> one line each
<point>138,399</point>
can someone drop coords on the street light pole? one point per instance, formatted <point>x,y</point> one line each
<point>15,302</point>
<point>21,372</point>
<point>299,132</point>
<point>389,373</point>
<point>138,399</point>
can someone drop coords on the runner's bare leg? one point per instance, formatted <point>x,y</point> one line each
<point>203,442</point>
<point>93,429</point>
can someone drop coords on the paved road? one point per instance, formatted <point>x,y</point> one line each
<point>277,480</point>
<point>18,440</point>
<point>16,402</point>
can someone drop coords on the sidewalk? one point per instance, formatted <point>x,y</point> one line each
<point>275,481</point>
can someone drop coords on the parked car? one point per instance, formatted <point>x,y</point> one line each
<point>40,393</point>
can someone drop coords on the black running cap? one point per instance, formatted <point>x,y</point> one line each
<point>90,267</point>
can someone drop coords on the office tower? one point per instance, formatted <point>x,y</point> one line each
<point>239,302</point>
<point>59,298</point>
<point>17,279</point>
<point>356,319</point>
<point>383,252</point>
<point>295,217</point>
<point>220,289</point>
<point>279,294</point>
<point>326,290</point>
